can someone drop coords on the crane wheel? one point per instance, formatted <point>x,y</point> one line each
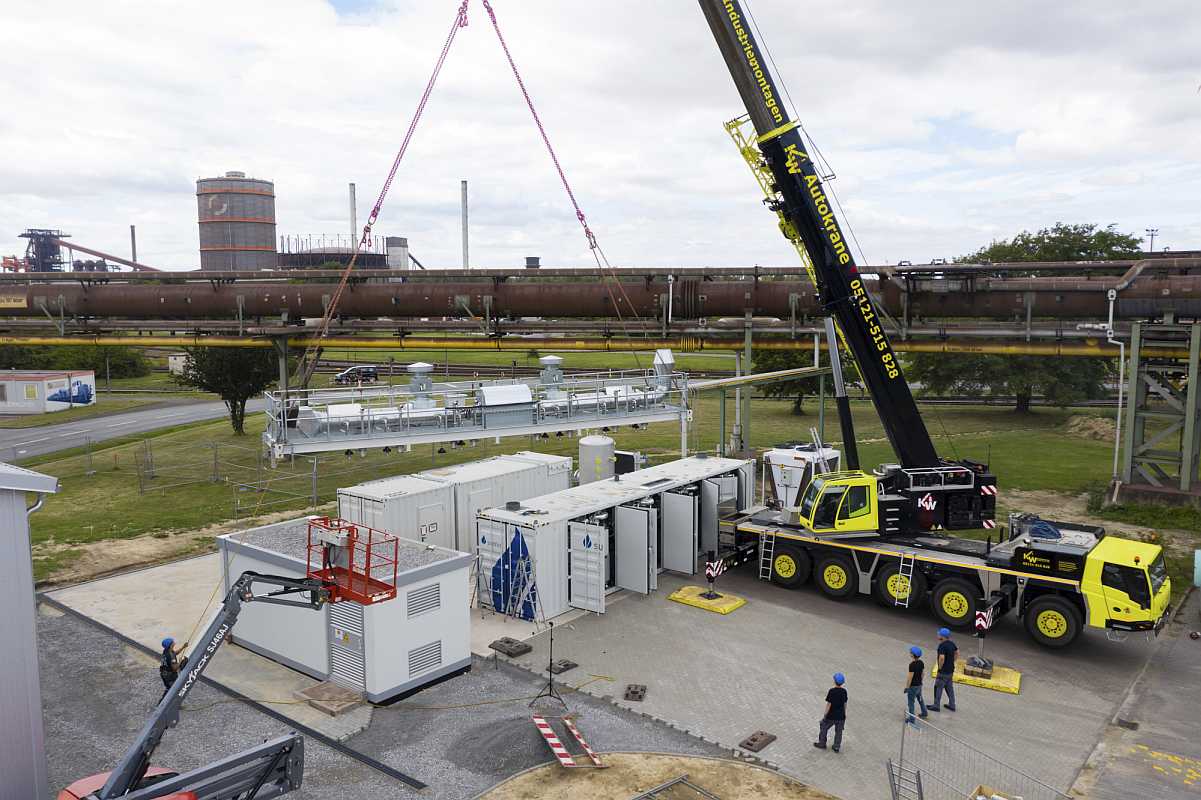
<point>836,577</point>
<point>790,566</point>
<point>1052,621</point>
<point>895,590</point>
<point>955,602</point>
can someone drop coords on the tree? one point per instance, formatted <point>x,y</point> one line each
<point>123,362</point>
<point>796,388</point>
<point>235,374</point>
<point>1061,380</point>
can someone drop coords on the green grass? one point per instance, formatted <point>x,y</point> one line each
<point>109,505</point>
<point>105,404</point>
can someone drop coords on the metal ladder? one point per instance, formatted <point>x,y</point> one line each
<point>905,783</point>
<point>905,572</point>
<point>819,450</point>
<point>767,552</point>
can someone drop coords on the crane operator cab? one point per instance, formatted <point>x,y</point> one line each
<point>839,503</point>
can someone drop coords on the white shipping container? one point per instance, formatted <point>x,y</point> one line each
<point>383,650</point>
<point>495,481</point>
<point>568,549</point>
<point>407,506</point>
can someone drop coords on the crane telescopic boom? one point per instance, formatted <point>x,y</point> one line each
<point>804,203</point>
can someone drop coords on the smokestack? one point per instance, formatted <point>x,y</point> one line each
<point>463,187</point>
<point>354,219</point>
<point>133,244</point>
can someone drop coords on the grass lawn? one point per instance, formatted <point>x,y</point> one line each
<point>105,404</point>
<point>1028,451</point>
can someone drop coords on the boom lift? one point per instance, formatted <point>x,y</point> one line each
<point>881,531</point>
<point>346,562</point>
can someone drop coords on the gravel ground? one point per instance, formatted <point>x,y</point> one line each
<point>291,539</point>
<point>97,693</point>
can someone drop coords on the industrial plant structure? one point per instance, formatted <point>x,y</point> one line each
<point>237,222</point>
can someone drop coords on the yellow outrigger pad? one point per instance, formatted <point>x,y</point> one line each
<point>1003,679</point>
<point>691,596</point>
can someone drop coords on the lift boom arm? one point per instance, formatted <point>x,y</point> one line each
<point>127,775</point>
<point>805,205</point>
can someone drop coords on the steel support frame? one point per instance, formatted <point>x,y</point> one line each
<point>1162,439</point>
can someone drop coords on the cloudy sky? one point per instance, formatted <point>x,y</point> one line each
<point>948,123</point>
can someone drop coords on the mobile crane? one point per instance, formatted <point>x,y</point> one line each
<point>271,769</point>
<point>883,532</point>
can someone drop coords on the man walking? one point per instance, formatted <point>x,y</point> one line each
<point>944,679</point>
<point>913,684</point>
<point>835,716</point>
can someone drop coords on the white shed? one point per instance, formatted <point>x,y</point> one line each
<point>383,650</point>
<point>37,392</point>
<point>572,548</point>
<point>22,736</point>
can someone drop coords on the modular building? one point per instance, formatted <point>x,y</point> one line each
<point>548,554</point>
<point>37,392</point>
<point>439,505</point>
<point>382,650</point>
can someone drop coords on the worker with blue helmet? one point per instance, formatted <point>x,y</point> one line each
<point>944,675</point>
<point>170,663</point>
<point>835,716</point>
<point>913,684</point>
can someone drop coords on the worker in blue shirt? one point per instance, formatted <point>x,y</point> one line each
<point>170,664</point>
<point>944,678</point>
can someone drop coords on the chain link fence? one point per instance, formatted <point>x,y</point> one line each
<point>952,769</point>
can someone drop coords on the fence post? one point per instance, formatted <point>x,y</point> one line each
<point>87,444</point>
<point>216,469</point>
<point>314,481</point>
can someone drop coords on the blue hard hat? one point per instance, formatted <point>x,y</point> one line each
<point>839,678</point>
<point>168,642</point>
<point>944,633</point>
<point>916,651</point>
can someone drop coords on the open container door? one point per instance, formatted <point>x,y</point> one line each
<point>633,545</point>
<point>587,558</point>
<point>679,532</point>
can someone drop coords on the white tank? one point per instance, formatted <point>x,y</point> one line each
<point>597,457</point>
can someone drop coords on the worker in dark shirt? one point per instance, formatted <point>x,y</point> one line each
<point>835,716</point>
<point>913,684</point>
<point>944,677</point>
<point>170,663</point>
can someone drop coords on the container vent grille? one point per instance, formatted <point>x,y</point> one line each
<point>424,600</point>
<point>425,658</point>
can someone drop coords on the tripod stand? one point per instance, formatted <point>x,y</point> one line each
<point>549,689</point>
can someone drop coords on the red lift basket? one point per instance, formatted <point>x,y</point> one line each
<point>353,561</point>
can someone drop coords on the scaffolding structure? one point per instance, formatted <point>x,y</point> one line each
<point>1161,447</point>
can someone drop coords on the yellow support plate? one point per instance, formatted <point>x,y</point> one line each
<point>1004,679</point>
<point>691,596</point>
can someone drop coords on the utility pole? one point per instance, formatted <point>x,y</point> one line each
<point>1151,233</point>
<point>463,188</point>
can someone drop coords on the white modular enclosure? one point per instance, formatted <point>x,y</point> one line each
<point>383,650</point>
<point>439,505</point>
<point>495,481</point>
<point>571,548</point>
<point>407,506</point>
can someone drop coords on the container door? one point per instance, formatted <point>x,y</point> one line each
<point>652,565</point>
<point>679,532</point>
<point>633,554</point>
<point>347,657</point>
<point>432,525</point>
<point>710,497</point>
<point>587,565</point>
<point>478,499</point>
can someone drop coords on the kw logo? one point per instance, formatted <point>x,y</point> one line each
<point>795,157</point>
<point>1031,559</point>
<point>927,502</point>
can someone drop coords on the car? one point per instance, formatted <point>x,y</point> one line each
<point>354,375</point>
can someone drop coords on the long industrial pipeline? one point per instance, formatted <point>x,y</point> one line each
<point>1087,348</point>
<point>997,298</point>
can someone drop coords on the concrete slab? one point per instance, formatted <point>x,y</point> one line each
<point>1153,746</point>
<point>768,666</point>
<point>460,737</point>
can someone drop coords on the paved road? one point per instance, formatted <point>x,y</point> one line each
<point>20,443</point>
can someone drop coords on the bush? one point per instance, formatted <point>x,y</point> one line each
<point>123,362</point>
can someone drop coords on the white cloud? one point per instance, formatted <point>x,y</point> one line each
<point>949,124</point>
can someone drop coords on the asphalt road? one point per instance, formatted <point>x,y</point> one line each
<point>20,443</point>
